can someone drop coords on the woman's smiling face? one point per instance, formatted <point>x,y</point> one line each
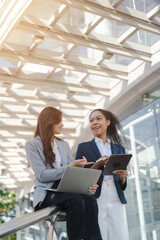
<point>98,124</point>
<point>57,128</point>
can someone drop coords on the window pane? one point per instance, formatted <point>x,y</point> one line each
<point>143,209</point>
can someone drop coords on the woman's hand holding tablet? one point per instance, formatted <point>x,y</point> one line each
<point>116,164</point>
<point>100,162</point>
<point>122,175</point>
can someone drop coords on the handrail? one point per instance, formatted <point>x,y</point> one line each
<point>27,220</point>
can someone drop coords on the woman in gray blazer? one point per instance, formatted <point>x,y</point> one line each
<point>49,157</point>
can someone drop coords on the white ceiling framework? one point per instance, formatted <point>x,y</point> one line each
<point>71,54</point>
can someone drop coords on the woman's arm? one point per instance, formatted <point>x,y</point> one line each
<point>100,162</point>
<point>122,175</point>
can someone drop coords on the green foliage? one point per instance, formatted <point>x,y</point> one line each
<point>7,208</point>
<point>10,237</point>
<point>7,204</point>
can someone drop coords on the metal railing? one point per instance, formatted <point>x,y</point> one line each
<point>27,220</point>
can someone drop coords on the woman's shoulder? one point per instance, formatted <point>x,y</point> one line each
<point>61,142</point>
<point>34,141</point>
<point>63,146</point>
<point>85,143</point>
<point>118,146</point>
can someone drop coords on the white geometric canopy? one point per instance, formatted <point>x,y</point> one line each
<point>75,55</point>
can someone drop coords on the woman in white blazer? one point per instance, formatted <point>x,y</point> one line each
<point>49,157</point>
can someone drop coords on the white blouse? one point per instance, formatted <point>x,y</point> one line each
<point>105,149</point>
<point>58,159</point>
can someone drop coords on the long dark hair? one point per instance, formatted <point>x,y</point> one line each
<point>48,117</point>
<point>112,130</point>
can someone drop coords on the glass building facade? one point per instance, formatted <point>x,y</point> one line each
<point>142,134</point>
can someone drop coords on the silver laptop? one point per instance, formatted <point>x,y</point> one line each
<point>77,180</point>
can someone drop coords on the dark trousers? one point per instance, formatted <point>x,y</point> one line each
<point>81,214</point>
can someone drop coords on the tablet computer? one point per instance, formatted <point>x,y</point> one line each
<point>77,180</point>
<point>116,162</point>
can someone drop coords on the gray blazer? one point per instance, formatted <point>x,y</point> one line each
<point>44,174</point>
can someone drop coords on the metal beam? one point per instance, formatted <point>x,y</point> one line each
<point>117,3</point>
<point>14,10</point>
<point>55,85</point>
<point>62,63</point>
<point>94,41</point>
<point>154,12</point>
<point>122,15</point>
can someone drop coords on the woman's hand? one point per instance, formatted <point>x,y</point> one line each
<point>80,163</point>
<point>93,188</point>
<point>100,162</point>
<point>122,175</point>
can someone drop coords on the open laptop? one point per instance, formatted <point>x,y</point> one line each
<point>116,162</point>
<point>77,180</point>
